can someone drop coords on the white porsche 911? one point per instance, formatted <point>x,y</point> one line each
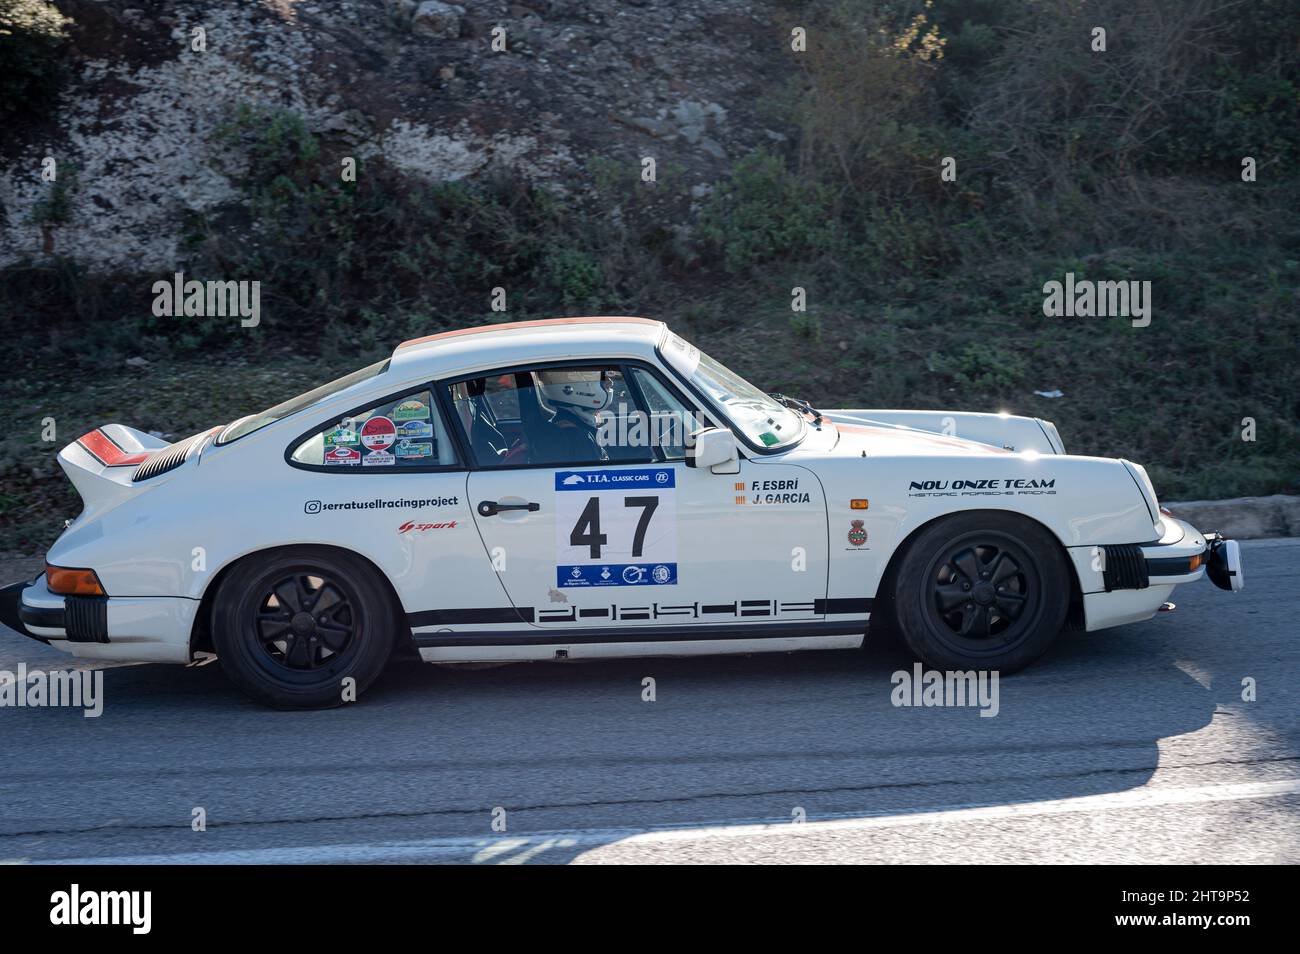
<point>590,487</point>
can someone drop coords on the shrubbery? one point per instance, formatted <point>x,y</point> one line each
<point>32,37</point>
<point>1124,164</point>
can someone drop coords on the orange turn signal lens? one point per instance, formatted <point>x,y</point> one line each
<point>858,504</point>
<point>1196,563</point>
<point>68,582</point>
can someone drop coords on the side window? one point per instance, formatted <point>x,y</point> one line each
<point>669,422</point>
<point>401,432</point>
<point>548,417</point>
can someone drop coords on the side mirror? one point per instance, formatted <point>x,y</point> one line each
<point>715,448</point>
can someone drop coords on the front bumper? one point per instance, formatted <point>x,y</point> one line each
<point>1126,583</point>
<point>127,629</point>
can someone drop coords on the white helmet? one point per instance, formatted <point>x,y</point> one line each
<point>585,391</point>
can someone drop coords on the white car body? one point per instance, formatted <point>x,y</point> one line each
<point>766,550</point>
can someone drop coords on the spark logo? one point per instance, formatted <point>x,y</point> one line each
<point>421,527</point>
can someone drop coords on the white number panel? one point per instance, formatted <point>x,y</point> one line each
<point>616,527</point>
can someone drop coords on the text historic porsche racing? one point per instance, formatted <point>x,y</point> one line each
<point>590,487</point>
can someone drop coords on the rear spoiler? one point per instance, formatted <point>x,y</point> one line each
<point>101,463</point>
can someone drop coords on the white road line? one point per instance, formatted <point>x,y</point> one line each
<point>514,849</point>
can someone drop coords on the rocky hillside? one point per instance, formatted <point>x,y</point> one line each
<point>418,84</point>
<point>872,220</point>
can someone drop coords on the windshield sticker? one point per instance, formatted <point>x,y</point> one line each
<point>616,527</point>
<point>682,354</point>
<point>768,438</point>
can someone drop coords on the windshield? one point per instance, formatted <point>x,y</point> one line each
<point>246,425</point>
<point>762,420</point>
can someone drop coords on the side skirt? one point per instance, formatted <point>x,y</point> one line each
<point>631,641</point>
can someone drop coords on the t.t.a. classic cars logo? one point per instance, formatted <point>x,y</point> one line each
<point>982,486</point>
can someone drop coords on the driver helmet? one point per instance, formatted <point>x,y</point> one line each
<point>586,391</point>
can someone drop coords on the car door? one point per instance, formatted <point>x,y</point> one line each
<point>627,535</point>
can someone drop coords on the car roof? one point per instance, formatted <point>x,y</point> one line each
<point>522,342</point>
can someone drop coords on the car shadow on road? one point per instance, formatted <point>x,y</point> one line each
<point>612,746</point>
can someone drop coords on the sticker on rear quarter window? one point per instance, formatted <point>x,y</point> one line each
<point>410,411</point>
<point>342,455</point>
<point>378,433</point>
<point>414,429</point>
<point>616,527</point>
<point>409,449</point>
<point>340,435</point>
<point>378,458</point>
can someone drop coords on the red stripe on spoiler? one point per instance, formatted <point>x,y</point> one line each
<point>101,447</point>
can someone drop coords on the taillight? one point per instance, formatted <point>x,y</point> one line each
<point>70,582</point>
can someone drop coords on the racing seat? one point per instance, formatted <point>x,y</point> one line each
<point>485,439</point>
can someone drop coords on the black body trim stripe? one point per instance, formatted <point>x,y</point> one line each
<point>843,607</point>
<point>809,629</point>
<point>484,614</point>
<point>528,614</point>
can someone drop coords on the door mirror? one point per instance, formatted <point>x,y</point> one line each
<point>715,448</point>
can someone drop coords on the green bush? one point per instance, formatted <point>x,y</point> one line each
<point>32,37</point>
<point>762,213</point>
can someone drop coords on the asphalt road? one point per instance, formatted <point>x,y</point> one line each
<point>1131,745</point>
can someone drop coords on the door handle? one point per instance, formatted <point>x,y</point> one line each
<point>490,508</point>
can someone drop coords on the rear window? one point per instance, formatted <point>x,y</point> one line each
<point>246,425</point>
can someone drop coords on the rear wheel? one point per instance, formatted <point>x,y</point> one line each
<point>982,590</point>
<point>291,626</point>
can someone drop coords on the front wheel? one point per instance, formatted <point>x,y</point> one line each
<point>982,590</point>
<point>291,626</point>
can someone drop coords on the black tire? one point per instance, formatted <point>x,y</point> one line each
<point>290,625</point>
<point>981,590</point>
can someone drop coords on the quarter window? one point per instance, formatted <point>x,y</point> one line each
<point>400,433</point>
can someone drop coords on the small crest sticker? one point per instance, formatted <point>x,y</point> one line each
<point>857,533</point>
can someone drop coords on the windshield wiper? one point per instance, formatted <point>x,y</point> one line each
<point>798,404</point>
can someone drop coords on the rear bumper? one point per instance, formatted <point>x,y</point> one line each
<point>15,616</point>
<point>126,629</point>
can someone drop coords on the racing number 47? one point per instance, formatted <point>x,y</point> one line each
<point>586,532</point>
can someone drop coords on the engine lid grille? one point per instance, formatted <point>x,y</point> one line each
<point>169,458</point>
